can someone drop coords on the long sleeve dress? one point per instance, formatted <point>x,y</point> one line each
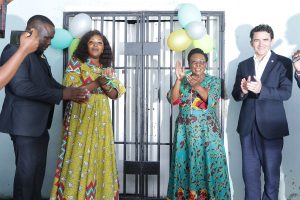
<point>198,164</point>
<point>86,166</point>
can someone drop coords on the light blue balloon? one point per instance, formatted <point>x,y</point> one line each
<point>62,39</point>
<point>188,13</point>
<point>196,30</point>
<point>180,5</point>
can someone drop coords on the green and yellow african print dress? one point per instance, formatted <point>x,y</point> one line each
<point>86,166</point>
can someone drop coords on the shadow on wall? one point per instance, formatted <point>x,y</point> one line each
<point>292,33</point>
<point>291,165</point>
<point>234,148</point>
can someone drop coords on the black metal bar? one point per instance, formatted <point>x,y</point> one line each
<point>125,123</point>
<point>143,105</point>
<point>150,143</point>
<point>159,105</point>
<point>102,24</point>
<point>222,70</point>
<point>113,64</point>
<point>171,84</point>
<point>142,167</point>
<point>136,13</point>
<point>139,108</point>
<point>145,35</point>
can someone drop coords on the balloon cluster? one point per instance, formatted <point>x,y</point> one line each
<point>79,25</point>
<point>192,32</point>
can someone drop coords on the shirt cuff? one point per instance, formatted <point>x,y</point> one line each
<point>176,102</point>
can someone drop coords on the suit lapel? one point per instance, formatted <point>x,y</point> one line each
<point>251,68</point>
<point>46,65</point>
<point>269,66</point>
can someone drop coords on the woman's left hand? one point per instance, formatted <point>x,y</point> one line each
<point>195,80</point>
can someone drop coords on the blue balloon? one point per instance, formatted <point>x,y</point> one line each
<point>188,13</point>
<point>62,39</point>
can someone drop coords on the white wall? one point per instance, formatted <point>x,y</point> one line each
<point>240,17</point>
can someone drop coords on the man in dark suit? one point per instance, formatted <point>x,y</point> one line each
<point>262,82</point>
<point>28,108</point>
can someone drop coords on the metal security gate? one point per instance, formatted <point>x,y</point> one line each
<point>143,119</point>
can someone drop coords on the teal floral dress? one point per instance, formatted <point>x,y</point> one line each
<point>198,164</point>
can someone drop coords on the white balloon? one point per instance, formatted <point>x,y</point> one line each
<point>80,24</point>
<point>196,30</point>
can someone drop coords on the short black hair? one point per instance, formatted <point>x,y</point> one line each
<point>197,50</point>
<point>38,18</point>
<point>262,28</point>
<point>82,54</point>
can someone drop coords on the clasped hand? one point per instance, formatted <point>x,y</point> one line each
<point>103,79</point>
<point>192,79</point>
<point>253,86</point>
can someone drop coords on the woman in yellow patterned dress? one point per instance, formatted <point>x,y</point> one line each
<point>86,166</point>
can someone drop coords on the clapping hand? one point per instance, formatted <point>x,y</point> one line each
<point>244,83</point>
<point>254,86</point>
<point>296,61</point>
<point>179,70</point>
<point>195,80</point>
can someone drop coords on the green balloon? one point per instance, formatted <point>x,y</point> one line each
<point>73,46</point>
<point>205,43</point>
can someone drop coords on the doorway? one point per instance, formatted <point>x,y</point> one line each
<point>143,119</point>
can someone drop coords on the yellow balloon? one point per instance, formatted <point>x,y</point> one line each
<point>73,46</point>
<point>179,40</point>
<point>205,43</point>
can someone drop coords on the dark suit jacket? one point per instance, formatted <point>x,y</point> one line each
<point>29,97</point>
<point>267,107</point>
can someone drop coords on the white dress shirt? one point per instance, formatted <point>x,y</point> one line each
<point>261,64</point>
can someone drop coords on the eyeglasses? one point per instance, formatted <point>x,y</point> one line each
<point>95,43</point>
<point>198,62</point>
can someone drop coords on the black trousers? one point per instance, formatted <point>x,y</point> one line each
<point>31,157</point>
<point>261,153</point>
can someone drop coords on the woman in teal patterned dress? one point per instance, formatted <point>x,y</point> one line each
<point>198,164</point>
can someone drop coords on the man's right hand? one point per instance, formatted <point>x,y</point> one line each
<point>29,42</point>
<point>78,95</point>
